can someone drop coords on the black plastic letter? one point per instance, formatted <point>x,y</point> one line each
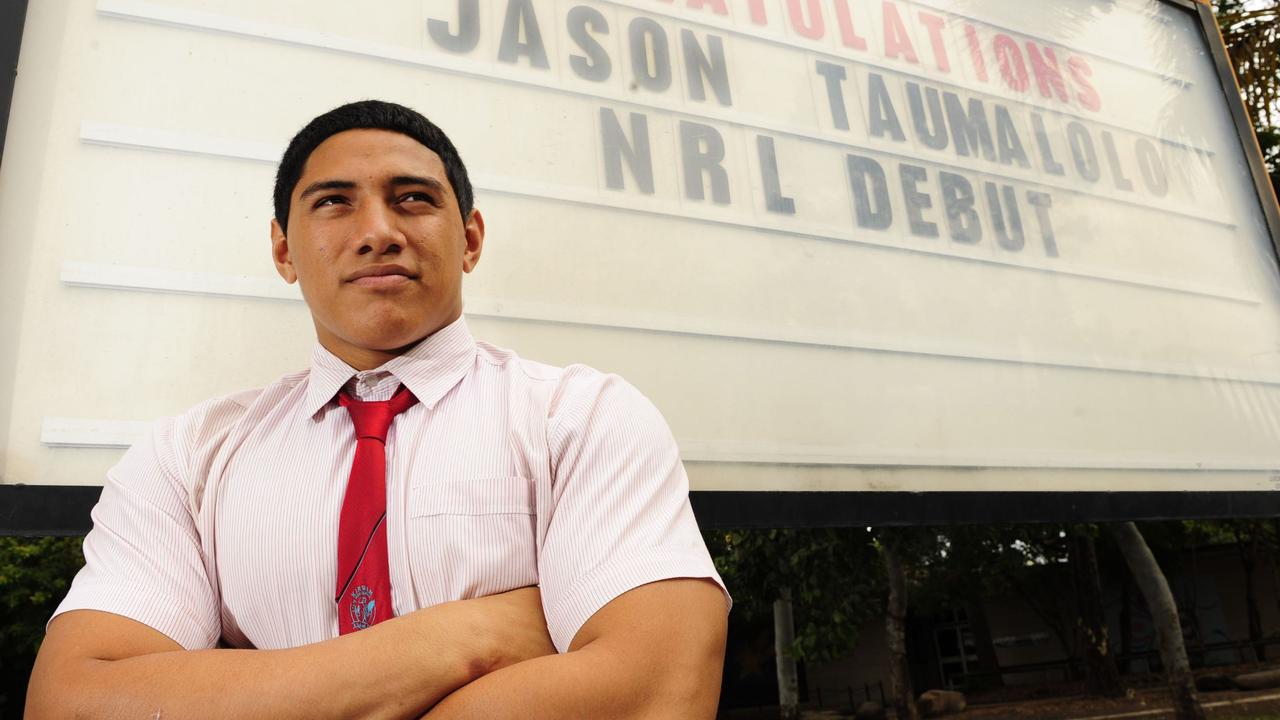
<point>867,182</point>
<point>596,65</point>
<point>703,151</point>
<point>636,152</point>
<point>468,34</point>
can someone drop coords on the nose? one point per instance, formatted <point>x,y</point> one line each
<point>377,231</point>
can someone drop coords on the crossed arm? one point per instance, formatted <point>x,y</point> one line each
<point>655,651</point>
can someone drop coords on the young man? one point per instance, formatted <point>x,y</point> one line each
<point>419,523</point>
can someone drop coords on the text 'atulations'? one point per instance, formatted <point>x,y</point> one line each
<point>1021,66</point>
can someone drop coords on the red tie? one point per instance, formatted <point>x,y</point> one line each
<point>364,576</point>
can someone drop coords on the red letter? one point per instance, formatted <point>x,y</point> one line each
<point>757,12</point>
<point>975,51</point>
<point>896,41</point>
<point>1048,76</point>
<point>847,34</point>
<point>717,5</point>
<point>1080,72</point>
<point>814,27</point>
<point>934,23</point>
<point>1012,67</point>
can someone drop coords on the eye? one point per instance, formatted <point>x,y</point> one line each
<point>330,200</point>
<point>420,196</point>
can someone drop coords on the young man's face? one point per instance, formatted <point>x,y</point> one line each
<point>376,241</point>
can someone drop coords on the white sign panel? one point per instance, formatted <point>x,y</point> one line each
<point>842,244</point>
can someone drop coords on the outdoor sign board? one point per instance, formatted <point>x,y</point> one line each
<point>850,248</point>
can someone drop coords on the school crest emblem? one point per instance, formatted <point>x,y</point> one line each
<point>362,607</point>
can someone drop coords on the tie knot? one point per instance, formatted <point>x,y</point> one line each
<point>373,418</point>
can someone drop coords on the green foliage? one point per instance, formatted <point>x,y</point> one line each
<point>1269,140</point>
<point>835,576</point>
<point>971,563</point>
<point>1173,539</point>
<point>34,576</point>
<point>1251,32</point>
<point>923,552</point>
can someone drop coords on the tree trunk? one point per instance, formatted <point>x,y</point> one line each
<point>1273,550</point>
<point>1126,625</point>
<point>1164,613</point>
<point>784,637</point>
<point>901,694</point>
<point>1249,560</point>
<point>1192,598</point>
<point>1102,677</point>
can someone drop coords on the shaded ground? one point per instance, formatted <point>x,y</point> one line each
<point>1259,705</point>
<point>1149,701</point>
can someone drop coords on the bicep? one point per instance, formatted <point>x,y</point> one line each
<point>78,639</point>
<point>682,616</point>
<point>97,635</point>
<point>676,628</point>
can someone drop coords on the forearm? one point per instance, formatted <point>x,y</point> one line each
<point>393,670</point>
<point>580,684</point>
<point>595,682</point>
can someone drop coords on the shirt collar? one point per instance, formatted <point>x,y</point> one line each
<point>430,369</point>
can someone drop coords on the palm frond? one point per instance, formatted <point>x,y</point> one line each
<point>1251,32</point>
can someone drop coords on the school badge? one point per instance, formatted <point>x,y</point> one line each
<point>362,606</point>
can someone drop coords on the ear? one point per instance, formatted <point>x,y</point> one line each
<point>280,253</point>
<point>474,232</point>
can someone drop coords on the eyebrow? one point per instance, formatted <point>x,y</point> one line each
<point>398,180</point>
<point>316,187</point>
<point>432,183</point>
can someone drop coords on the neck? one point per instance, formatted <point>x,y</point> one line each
<point>363,358</point>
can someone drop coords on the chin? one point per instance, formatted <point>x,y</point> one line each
<point>384,329</point>
<point>388,342</point>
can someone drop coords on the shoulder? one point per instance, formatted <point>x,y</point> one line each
<point>591,407</point>
<point>219,412</point>
<point>518,368</point>
<point>202,429</point>
<point>585,391</point>
<point>571,392</point>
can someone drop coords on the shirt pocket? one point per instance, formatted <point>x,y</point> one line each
<point>478,496</point>
<point>471,537</point>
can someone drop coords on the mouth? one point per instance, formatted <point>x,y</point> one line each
<point>381,276</point>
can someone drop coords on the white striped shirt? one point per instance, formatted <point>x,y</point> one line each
<point>222,524</point>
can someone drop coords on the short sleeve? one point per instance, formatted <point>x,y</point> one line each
<point>143,558</point>
<point>621,516</point>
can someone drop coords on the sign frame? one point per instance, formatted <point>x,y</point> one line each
<point>64,510</point>
<point>13,17</point>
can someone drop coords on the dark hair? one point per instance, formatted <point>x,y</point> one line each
<point>372,114</point>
